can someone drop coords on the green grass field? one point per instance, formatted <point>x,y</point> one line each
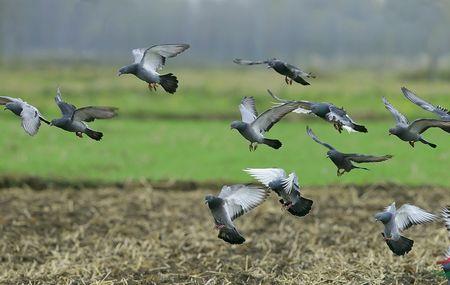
<point>190,145</point>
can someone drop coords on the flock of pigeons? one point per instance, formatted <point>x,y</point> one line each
<point>235,200</point>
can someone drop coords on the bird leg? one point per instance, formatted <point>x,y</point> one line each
<point>218,227</point>
<point>287,205</point>
<point>79,134</point>
<point>255,146</point>
<point>290,81</point>
<point>152,86</point>
<point>411,143</point>
<point>387,238</point>
<point>250,147</point>
<point>286,80</point>
<point>339,172</point>
<point>338,126</point>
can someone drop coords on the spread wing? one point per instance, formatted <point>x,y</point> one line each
<point>248,62</point>
<point>5,100</point>
<point>421,125</point>
<point>359,158</point>
<point>446,217</point>
<point>313,136</point>
<point>154,58</point>
<point>443,113</point>
<point>248,110</point>
<point>240,199</point>
<point>340,115</point>
<point>138,54</point>
<point>290,183</point>
<point>30,119</point>
<point>266,175</point>
<point>90,113</point>
<point>399,117</point>
<point>410,215</point>
<point>266,120</point>
<point>66,109</point>
<point>304,106</point>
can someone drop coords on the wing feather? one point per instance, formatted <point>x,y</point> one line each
<point>266,175</point>
<point>266,120</point>
<point>359,158</point>
<point>30,119</point>
<point>424,104</point>
<point>313,136</point>
<point>410,215</point>
<point>248,110</point>
<point>154,57</point>
<point>90,113</point>
<point>399,117</point>
<point>240,199</point>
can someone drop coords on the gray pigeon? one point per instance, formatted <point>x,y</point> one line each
<point>446,261</point>
<point>233,201</point>
<point>252,127</point>
<point>286,187</point>
<point>438,110</point>
<point>395,221</point>
<point>290,72</point>
<point>412,132</point>
<point>343,161</point>
<point>73,119</point>
<point>31,117</point>
<point>327,111</point>
<point>149,61</point>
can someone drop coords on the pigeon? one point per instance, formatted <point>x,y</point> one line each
<point>327,111</point>
<point>343,161</point>
<point>73,119</point>
<point>290,72</point>
<point>31,117</point>
<point>252,127</point>
<point>147,63</point>
<point>286,187</point>
<point>412,132</point>
<point>395,221</point>
<point>446,261</point>
<point>438,110</point>
<point>233,201</point>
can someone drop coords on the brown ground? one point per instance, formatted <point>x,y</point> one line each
<point>145,236</point>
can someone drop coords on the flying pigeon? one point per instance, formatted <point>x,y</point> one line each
<point>446,261</point>
<point>290,72</point>
<point>395,221</point>
<point>286,187</point>
<point>343,161</point>
<point>149,61</point>
<point>327,111</point>
<point>412,132</point>
<point>73,119</point>
<point>252,127</point>
<point>31,117</point>
<point>233,201</point>
<point>438,110</point>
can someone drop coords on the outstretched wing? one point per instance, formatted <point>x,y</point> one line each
<point>313,136</point>
<point>359,158</point>
<point>30,119</point>
<point>266,120</point>
<point>90,113</point>
<point>248,62</point>
<point>138,54</point>
<point>240,199</point>
<point>399,117</point>
<point>424,104</point>
<point>266,175</point>
<point>248,110</point>
<point>66,109</point>
<point>290,182</point>
<point>5,100</point>
<point>410,215</point>
<point>154,58</point>
<point>304,106</point>
<point>421,125</point>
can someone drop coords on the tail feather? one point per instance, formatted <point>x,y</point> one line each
<point>301,208</point>
<point>300,80</point>
<point>401,246</point>
<point>428,143</point>
<point>231,235</point>
<point>94,135</point>
<point>359,128</point>
<point>169,82</point>
<point>276,144</point>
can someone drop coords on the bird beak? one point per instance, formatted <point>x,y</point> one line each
<point>50,124</point>
<point>389,134</point>
<point>119,73</point>
<point>5,108</point>
<point>269,67</point>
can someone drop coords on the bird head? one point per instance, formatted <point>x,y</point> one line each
<point>236,125</point>
<point>383,217</point>
<point>127,69</point>
<point>393,131</point>
<point>209,198</point>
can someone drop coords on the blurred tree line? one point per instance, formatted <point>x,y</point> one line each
<point>346,30</point>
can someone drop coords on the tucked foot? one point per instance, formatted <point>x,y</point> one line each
<point>338,126</point>
<point>79,134</point>
<point>340,173</point>
<point>218,227</point>
<point>290,81</point>
<point>250,147</point>
<point>286,80</point>
<point>255,146</point>
<point>411,143</point>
